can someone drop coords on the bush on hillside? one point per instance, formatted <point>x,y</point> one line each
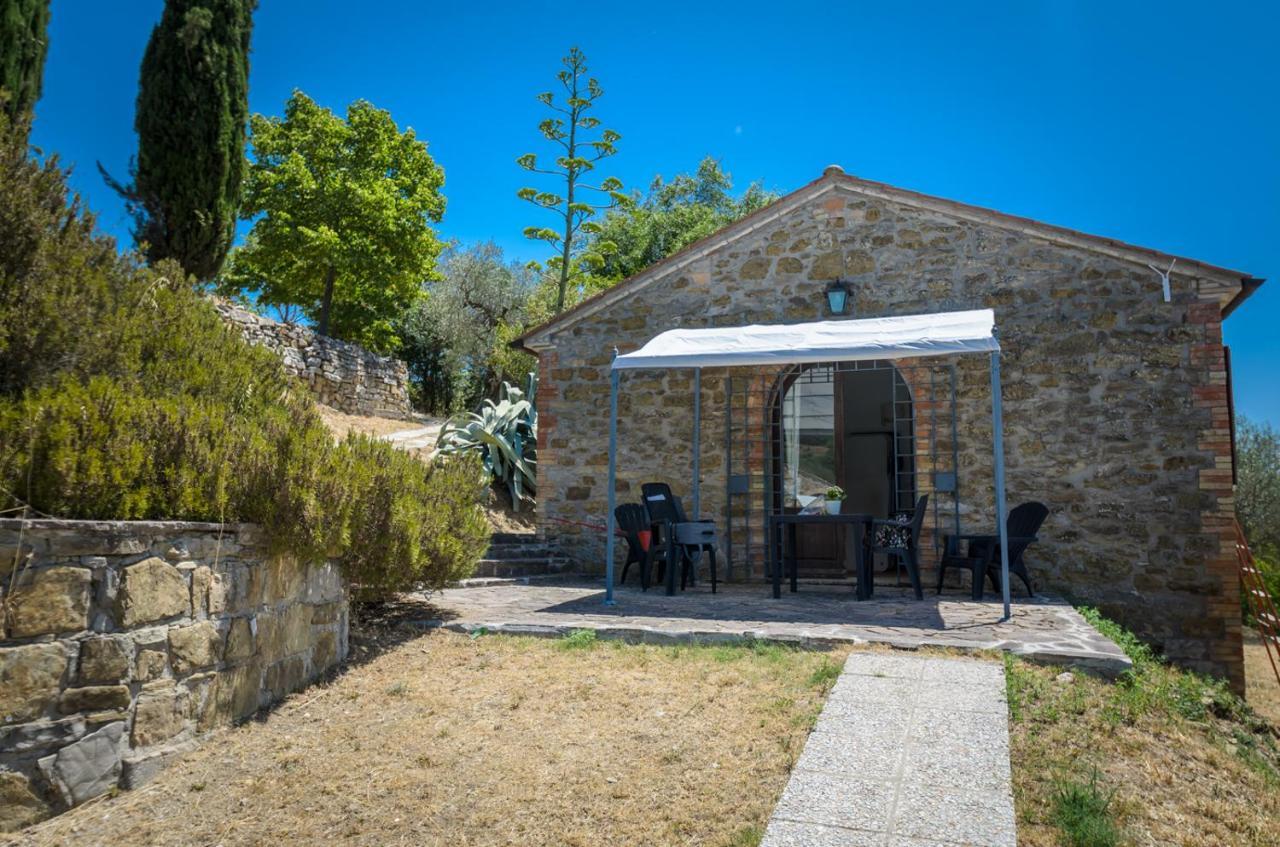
<point>409,526</point>
<point>124,396</point>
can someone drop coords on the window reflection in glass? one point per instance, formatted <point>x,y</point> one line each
<point>808,433</point>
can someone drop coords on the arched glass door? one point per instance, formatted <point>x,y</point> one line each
<point>849,425</point>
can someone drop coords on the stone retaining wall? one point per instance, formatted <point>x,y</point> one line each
<point>122,643</point>
<point>345,376</point>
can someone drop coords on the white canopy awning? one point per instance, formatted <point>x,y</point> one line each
<point>902,337</point>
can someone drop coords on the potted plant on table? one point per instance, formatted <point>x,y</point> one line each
<point>835,497</point>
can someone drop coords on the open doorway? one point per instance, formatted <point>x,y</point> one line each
<point>851,426</point>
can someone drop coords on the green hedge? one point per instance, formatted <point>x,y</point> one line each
<point>124,396</point>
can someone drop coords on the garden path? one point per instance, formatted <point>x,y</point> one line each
<point>909,751</point>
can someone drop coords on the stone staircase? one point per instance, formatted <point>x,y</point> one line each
<point>519,559</point>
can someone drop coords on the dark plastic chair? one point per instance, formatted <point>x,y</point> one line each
<point>904,548</point>
<point>631,520</point>
<point>676,535</point>
<point>982,559</point>
<point>694,555</point>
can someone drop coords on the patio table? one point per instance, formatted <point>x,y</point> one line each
<point>857,523</point>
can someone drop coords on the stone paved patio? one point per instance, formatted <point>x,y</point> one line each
<point>908,750</point>
<point>1043,628</point>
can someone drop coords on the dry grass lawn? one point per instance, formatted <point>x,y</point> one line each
<point>1183,762</point>
<point>341,423</point>
<point>1264,689</point>
<point>442,739</point>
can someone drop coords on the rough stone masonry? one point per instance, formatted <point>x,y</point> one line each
<point>123,643</point>
<point>342,375</point>
<point>1116,402</point>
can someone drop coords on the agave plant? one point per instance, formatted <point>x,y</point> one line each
<point>505,434</point>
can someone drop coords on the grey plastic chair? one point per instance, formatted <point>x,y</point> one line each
<point>677,535</point>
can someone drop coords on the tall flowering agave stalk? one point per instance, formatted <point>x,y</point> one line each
<point>505,435</point>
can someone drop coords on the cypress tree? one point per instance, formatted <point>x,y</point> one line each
<point>24,41</point>
<point>191,120</point>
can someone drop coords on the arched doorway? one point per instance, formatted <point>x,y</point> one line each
<point>850,425</point>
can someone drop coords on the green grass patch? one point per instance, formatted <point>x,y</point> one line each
<point>750,836</point>
<point>579,639</point>
<point>1153,687</point>
<point>1252,750</point>
<point>1083,812</point>
<point>825,675</point>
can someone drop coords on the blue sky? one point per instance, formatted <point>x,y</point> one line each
<point>1156,127</point>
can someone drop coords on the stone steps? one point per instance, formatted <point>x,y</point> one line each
<point>528,566</point>
<point>530,550</point>
<point>531,579</point>
<point>518,558</point>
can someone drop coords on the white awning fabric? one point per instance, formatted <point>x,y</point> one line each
<point>907,336</point>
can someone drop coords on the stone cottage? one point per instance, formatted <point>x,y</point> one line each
<point>1117,400</point>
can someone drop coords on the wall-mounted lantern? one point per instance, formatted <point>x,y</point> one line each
<point>838,297</point>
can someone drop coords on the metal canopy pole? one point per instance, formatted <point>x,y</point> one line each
<point>613,474</point>
<point>697,443</point>
<point>997,441</point>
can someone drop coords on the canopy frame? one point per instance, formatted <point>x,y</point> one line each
<point>912,336</point>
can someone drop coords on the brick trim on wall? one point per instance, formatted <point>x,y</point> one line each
<point>1212,394</point>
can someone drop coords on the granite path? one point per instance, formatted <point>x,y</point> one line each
<point>909,751</point>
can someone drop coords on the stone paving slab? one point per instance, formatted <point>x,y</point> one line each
<point>887,765</point>
<point>412,434</point>
<point>1042,628</point>
<point>416,439</point>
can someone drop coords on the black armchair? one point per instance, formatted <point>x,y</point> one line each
<point>631,520</point>
<point>982,558</point>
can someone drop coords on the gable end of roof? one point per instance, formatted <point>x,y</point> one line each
<point>832,177</point>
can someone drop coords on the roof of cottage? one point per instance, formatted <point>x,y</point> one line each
<point>1236,286</point>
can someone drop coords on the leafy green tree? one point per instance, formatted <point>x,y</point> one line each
<point>1258,499</point>
<point>192,108</point>
<point>574,161</point>
<point>1258,484</point>
<point>23,44</point>
<point>670,217</point>
<point>344,211</point>
<point>450,339</point>
<point>630,238</point>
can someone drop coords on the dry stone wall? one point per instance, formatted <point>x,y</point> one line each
<point>1115,402</point>
<point>342,375</point>
<point>123,643</point>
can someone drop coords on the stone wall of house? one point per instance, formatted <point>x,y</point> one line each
<point>123,643</point>
<point>1115,401</point>
<point>342,375</point>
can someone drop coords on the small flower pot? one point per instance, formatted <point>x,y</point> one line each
<point>833,506</point>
